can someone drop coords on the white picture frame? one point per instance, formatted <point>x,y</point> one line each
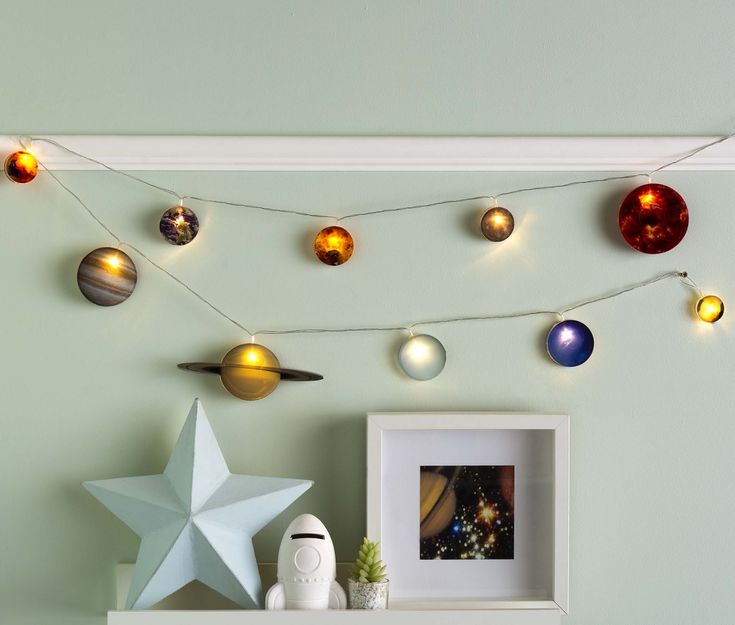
<point>537,444</point>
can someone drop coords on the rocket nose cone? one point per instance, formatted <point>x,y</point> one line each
<point>306,524</point>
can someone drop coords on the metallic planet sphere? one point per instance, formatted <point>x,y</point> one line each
<point>240,373</point>
<point>497,224</point>
<point>570,343</point>
<point>422,357</point>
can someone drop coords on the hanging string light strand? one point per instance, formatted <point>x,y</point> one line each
<point>380,211</point>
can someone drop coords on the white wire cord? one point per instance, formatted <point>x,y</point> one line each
<point>682,275</point>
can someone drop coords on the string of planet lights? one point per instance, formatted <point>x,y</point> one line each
<point>653,218</point>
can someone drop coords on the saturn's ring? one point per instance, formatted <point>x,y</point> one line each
<point>294,375</point>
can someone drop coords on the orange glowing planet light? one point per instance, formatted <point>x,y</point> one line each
<point>250,371</point>
<point>653,218</point>
<point>21,166</point>
<point>333,245</point>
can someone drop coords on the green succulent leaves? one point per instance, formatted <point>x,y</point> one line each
<point>369,568</point>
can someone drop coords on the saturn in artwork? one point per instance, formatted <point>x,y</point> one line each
<point>250,371</point>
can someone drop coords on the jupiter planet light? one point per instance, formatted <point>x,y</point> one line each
<point>497,224</point>
<point>653,218</point>
<point>21,166</point>
<point>107,276</point>
<point>570,343</point>
<point>710,308</point>
<point>250,371</point>
<point>179,225</point>
<point>333,245</point>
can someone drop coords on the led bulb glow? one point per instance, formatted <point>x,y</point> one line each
<point>497,224</point>
<point>21,166</point>
<point>334,245</point>
<point>422,357</point>
<point>710,308</point>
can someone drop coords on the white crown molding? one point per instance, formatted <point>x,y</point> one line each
<point>293,153</point>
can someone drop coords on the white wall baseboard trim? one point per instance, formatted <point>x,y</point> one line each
<point>293,153</point>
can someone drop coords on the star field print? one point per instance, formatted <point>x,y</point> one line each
<point>466,512</point>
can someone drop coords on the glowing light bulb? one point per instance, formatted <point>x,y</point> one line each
<point>653,218</point>
<point>570,343</point>
<point>422,357</point>
<point>179,225</point>
<point>710,308</point>
<point>497,224</point>
<point>334,245</point>
<point>21,166</point>
<point>242,376</point>
<point>107,276</point>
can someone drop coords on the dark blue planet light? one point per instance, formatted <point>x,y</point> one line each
<point>570,343</point>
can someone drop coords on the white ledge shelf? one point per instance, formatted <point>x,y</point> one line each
<point>294,153</point>
<point>328,617</point>
<point>168,612</point>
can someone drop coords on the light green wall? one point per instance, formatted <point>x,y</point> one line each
<point>91,393</point>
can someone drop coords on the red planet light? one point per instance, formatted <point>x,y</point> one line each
<point>653,218</point>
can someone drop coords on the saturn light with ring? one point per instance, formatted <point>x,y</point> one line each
<point>250,371</point>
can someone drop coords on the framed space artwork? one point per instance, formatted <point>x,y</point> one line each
<point>471,509</point>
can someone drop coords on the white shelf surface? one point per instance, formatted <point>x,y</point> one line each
<point>329,617</point>
<point>375,153</point>
<point>169,611</point>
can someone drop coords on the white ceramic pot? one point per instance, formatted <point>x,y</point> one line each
<point>368,596</point>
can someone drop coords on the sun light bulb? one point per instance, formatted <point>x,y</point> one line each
<point>710,308</point>
<point>21,166</point>
<point>653,218</point>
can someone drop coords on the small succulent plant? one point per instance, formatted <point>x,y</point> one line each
<point>369,568</point>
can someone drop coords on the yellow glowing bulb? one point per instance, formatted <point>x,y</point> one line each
<point>180,220</point>
<point>710,308</point>
<point>113,261</point>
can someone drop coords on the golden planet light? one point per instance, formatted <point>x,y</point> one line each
<point>21,166</point>
<point>250,371</point>
<point>333,245</point>
<point>710,308</point>
<point>497,224</point>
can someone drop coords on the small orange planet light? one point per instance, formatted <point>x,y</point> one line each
<point>250,371</point>
<point>333,245</point>
<point>497,224</point>
<point>710,308</point>
<point>21,166</point>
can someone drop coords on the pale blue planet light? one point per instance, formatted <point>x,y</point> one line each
<point>422,357</point>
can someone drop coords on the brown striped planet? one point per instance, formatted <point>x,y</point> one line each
<point>107,276</point>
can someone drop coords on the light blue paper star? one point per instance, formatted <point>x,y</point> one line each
<point>197,519</point>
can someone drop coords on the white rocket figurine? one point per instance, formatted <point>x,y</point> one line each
<point>306,569</point>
